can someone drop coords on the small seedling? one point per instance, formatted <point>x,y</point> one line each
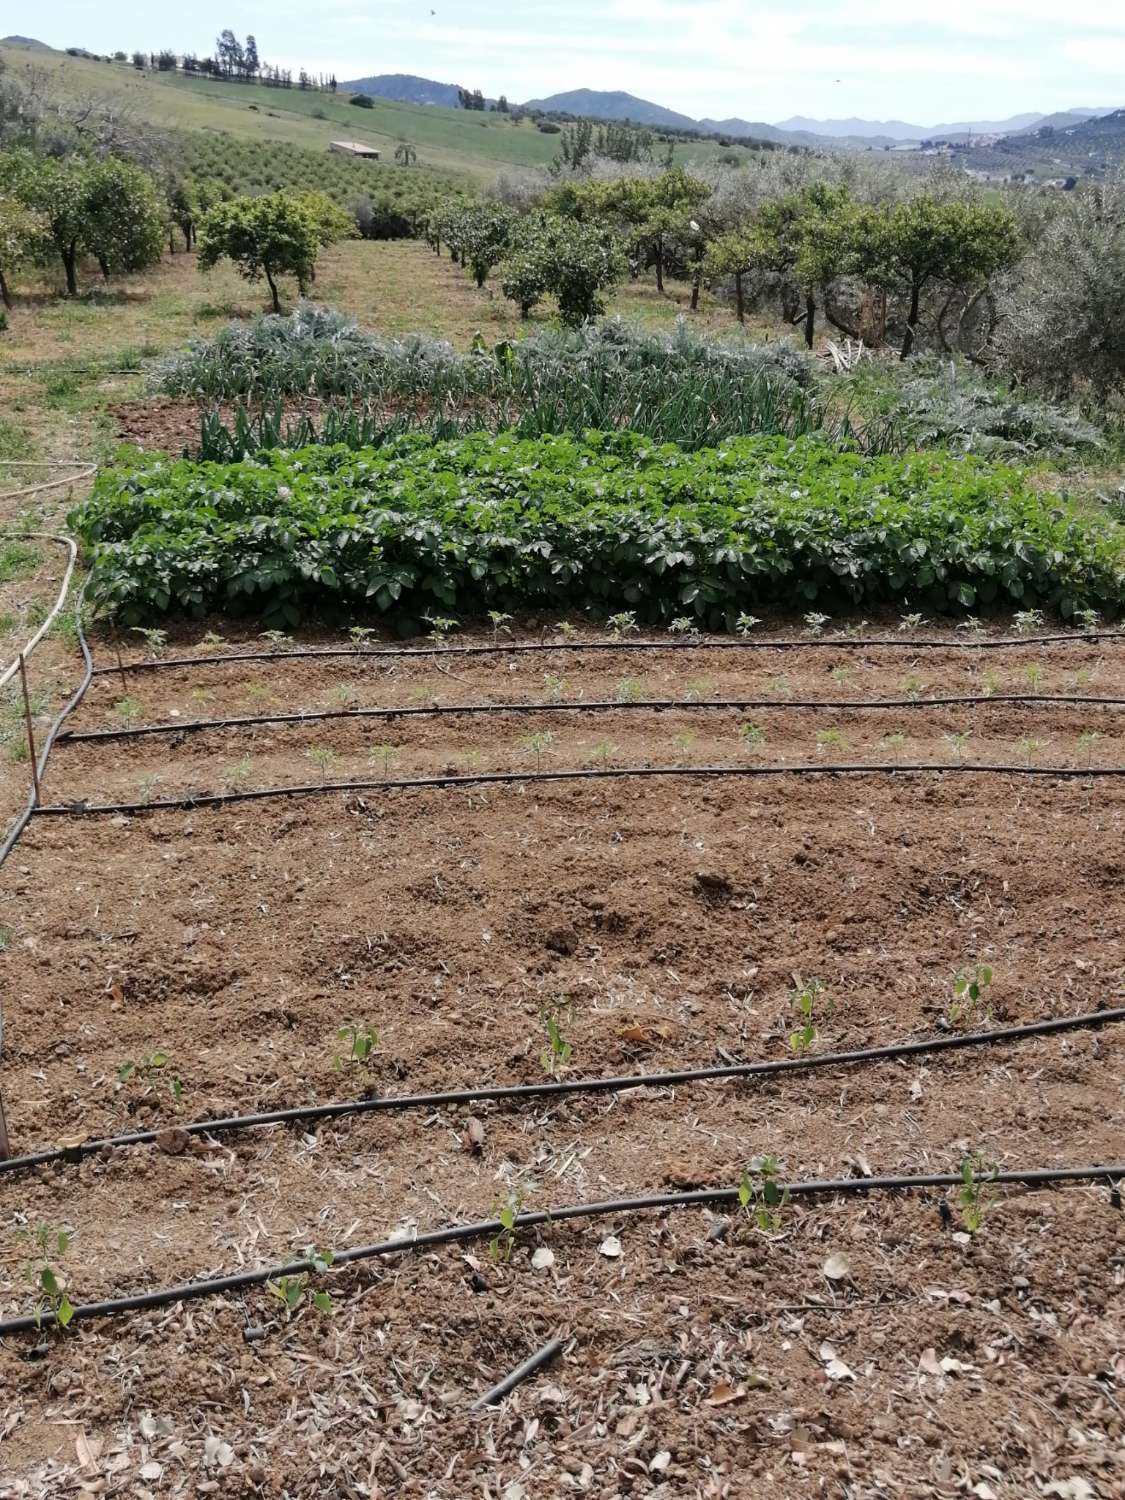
<point>47,1243</point>
<point>815,623</point>
<point>697,688</point>
<point>1033,676</point>
<point>969,989</point>
<point>294,1292</point>
<point>761,1196</point>
<point>682,743</point>
<point>323,757</point>
<point>973,1193</point>
<point>276,637</point>
<point>499,623</point>
<point>629,690</point>
<point>913,687</point>
<point>894,743</point>
<point>201,695</point>
<point>502,1243</point>
<point>840,676</point>
<point>1028,620</point>
<point>805,1002</point>
<point>685,626</point>
<point>972,624</point>
<point>830,739</point>
<point>385,753</point>
<point>745,624</point>
<point>989,683</point>
<point>566,630</point>
<point>127,709</point>
<point>602,750</point>
<point>148,1071</point>
<point>558,1050</point>
<point>1089,619</point>
<point>751,734</point>
<point>621,624</point>
<point>780,685</point>
<point>346,694</point>
<point>537,744</point>
<point>362,1040</point>
<point>148,785</point>
<point>360,633</point>
<point>957,743</point>
<point>238,773</point>
<point>1086,742</point>
<point>213,638</point>
<point>1029,747</point>
<point>849,632</point>
<point>555,685</point>
<point>155,640</point>
<point>909,623</point>
<point>440,626</point>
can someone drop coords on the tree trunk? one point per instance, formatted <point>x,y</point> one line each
<point>171,240</point>
<point>911,321</point>
<point>273,289</point>
<point>103,267</point>
<point>836,320</point>
<point>660,267</point>
<point>810,319</point>
<point>942,340</point>
<point>5,294</point>
<point>69,257</point>
<point>739,300</point>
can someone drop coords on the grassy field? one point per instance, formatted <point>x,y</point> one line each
<point>466,143</point>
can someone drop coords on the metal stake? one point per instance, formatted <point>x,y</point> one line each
<point>30,731</point>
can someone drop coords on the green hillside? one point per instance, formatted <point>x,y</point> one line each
<point>464,143</point>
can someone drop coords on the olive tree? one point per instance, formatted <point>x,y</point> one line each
<point>271,236</point>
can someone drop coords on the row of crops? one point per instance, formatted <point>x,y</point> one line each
<point>601,523</point>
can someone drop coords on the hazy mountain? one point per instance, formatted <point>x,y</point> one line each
<point>25,41</point>
<point>598,104</point>
<point>406,88</point>
<point>757,129</point>
<point>902,130</point>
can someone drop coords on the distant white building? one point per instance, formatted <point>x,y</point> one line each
<point>354,148</point>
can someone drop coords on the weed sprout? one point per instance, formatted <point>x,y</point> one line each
<point>500,1246</point>
<point>47,1243</point>
<point>148,1071</point>
<point>969,988</point>
<point>293,1292</point>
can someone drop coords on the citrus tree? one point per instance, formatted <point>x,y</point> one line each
<point>275,235</point>
<point>22,233</point>
<point>573,262</point>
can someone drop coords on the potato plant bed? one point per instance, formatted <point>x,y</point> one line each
<point>660,925</point>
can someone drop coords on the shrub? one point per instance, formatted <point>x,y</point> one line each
<point>608,523</point>
<point>362,101</point>
<point>279,234</point>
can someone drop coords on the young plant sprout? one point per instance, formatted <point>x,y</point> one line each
<point>440,626</point>
<point>127,709</point>
<point>1089,619</point>
<point>276,637</point>
<point>558,1050</point>
<point>894,743</point>
<point>46,1244</point>
<point>682,743</point>
<point>1083,679</point>
<point>909,623</point>
<point>989,683</point>
<point>849,632</point>
<point>1028,620</point>
<point>1029,747</point>
<point>973,1193</point>
<point>554,685</point>
<point>1033,676</point>
<point>684,625</point>
<point>346,694</point>
<point>971,623</point>
<point>621,624</point>
<point>760,1194</point>
<point>385,753</point>
<point>499,623</point>
<point>566,630</point>
<point>362,1040</point>
<point>537,744</point>
<point>1086,742</point>
<point>148,1071</point>
<point>840,676</point>
<point>238,773</point>
<point>323,757</point>
<point>751,734</point>
<point>969,988</point>
<point>830,739</point>
<point>148,785</point>
<point>629,690</point>
<point>815,623</point>
<point>502,1243</point>
<point>913,686</point>
<point>805,1002</point>
<point>201,695</point>
<point>360,633</point>
<point>697,688</point>
<point>294,1292</point>
<point>213,638</point>
<point>957,742</point>
<point>745,624</point>
<point>601,752</point>
<point>155,640</point>
<point>470,761</point>
<point>779,685</point>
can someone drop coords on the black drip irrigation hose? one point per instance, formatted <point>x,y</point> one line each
<point>562,1089</point>
<point>848,643</point>
<point>455,1234</point>
<point>517,1376</point>
<point>81,809</point>
<point>659,705</point>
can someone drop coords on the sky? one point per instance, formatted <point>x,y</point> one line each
<point>924,61</point>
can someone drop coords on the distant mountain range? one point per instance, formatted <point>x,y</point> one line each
<point>798,130</point>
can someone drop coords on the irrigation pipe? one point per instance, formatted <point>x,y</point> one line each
<point>87,472</point>
<point>850,643</point>
<point>456,1234</point>
<point>517,1376</point>
<point>659,705</point>
<point>80,809</point>
<point>561,1089</point>
<point>10,671</point>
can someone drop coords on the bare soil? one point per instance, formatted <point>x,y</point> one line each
<point>668,923</point>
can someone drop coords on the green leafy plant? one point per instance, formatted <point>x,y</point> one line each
<point>150,1071</point>
<point>968,1004</point>
<point>361,1040</point>
<point>323,758</point>
<point>957,741</point>
<point>622,624</point>
<point>815,623</point>
<point>894,743</point>
<point>127,710</point>
<point>1027,620</point>
<point>1033,676</point>
<point>48,1244</point>
<point>684,626</point>
<point>555,685</point>
<point>751,734</point>
<point>156,640</point>
<point>384,753</point>
<point>538,743</point>
<point>744,624</point>
<point>974,1191</point>
<point>1087,740</point>
<point>1029,747</point>
<point>911,623</point>
<point>441,626</point>
<point>830,739</point>
<point>761,1195</point>
<point>913,686</point>
<point>558,1050</point>
<point>506,1211</point>
<point>601,752</point>
<point>989,684</point>
<point>296,1291</point>
<point>806,1003</point>
<point>499,622</point>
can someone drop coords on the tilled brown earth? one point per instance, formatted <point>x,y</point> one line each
<point>865,1348</point>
